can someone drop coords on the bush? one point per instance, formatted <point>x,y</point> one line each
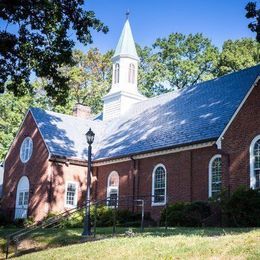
<point>104,218</point>
<point>3,219</point>
<point>186,214</point>
<point>242,209</point>
<point>74,221</point>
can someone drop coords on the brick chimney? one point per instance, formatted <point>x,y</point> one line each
<point>82,111</point>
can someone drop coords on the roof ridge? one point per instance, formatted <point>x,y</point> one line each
<point>58,113</point>
<point>199,83</point>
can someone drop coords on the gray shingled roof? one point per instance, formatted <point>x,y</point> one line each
<point>195,114</point>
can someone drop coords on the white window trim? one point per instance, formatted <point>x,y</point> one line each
<point>210,172</point>
<point>117,73</point>
<point>21,149</point>
<point>76,194</point>
<point>108,190</point>
<point>153,180</point>
<point>252,161</point>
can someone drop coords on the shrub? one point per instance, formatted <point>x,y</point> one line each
<point>242,209</point>
<point>105,218</point>
<point>74,221</point>
<point>3,219</point>
<point>186,214</point>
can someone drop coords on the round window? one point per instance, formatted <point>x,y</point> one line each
<point>26,149</point>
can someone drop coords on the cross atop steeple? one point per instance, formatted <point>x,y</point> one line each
<point>127,14</point>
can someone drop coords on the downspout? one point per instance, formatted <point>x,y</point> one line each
<point>135,181</point>
<point>191,175</point>
<point>95,169</point>
<point>50,186</point>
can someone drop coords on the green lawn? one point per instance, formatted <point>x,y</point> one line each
<point>184,243</point>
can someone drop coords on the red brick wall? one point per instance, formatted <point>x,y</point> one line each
<point>187,171</point>
<point>238,138</point>
<point>125,172</point>
<point>180,177</point>
<point>62,173</point>
<point>36,169</point>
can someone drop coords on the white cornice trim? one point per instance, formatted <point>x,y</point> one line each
<point>119,56</point>
<point>221,137</point>
<point>174,150</point>
<point>49,153</point>
<point>157,153</point>
<point>120,92</point>
<point>17,133</point>
<point>120,160</point>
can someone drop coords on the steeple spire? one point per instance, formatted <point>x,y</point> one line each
<point>124,91</point>
<point>126,45</point>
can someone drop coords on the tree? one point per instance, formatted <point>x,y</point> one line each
<point>152,73</point>
<point>188,59</point>
<point>40,44</point>
<point>237,55</point>
<point>89,80</point>
<point>12,111</point>
<point>253,13</point>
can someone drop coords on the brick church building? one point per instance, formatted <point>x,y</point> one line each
<point>181,146</point>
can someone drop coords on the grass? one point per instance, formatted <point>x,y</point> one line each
<point>154,243</point>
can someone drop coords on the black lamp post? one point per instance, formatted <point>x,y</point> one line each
<point>87,227</point>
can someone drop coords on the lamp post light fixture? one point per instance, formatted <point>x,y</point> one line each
<point>87,226</point>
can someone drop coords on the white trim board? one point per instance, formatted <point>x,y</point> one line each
<point>19,130</point>
<point>41,134</point>
<point>157,153</point>
<point>210,173</point>
<point>221,137</point>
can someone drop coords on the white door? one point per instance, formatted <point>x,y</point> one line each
<point>22,198</point>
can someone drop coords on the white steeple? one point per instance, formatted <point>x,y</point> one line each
<point>124,91</point>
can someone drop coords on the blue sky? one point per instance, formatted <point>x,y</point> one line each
<point>217,19</point>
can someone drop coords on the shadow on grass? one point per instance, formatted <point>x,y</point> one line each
<point>58,237</point>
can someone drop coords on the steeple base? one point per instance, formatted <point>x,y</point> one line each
<point>118,103</point>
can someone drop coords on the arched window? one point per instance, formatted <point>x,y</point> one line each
<point>159,185</point>
<point>255,163</point>
<point>22,198</point>
<point>215,175</point>
<point>116,74</point>
<point>112,188</point>
<point>131,73</point>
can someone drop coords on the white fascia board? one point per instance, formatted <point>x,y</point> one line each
<point>221,137</point>
<point>153,154</point>
<point>19,129</point>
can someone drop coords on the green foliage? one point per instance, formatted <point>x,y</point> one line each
<point>12,111</point>
<point>186,214</point>
<point>152,73</point>
<point>237,55</point>
<point>242,209</point>
<point>188,59</point>
<point>40,43</point>
<point>253,13</point>
<point>104,218</point>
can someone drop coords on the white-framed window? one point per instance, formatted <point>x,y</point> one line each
<point>71,194</point>
<point>255,163</point>
<point>116,73</point>
<point>131,73</point>
<point>112,189</point>
<point>215,175</point>
<point>159,185</point>
<point>26,149</point>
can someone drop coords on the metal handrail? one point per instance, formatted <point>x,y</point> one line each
<point>19,235</point>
